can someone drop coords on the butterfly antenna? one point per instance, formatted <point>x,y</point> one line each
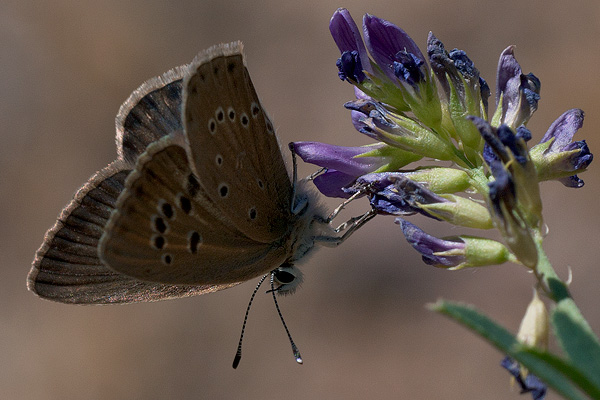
<point>295,350</point>
<point>238,354</point>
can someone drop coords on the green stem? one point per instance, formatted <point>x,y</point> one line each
<point>549,281</point>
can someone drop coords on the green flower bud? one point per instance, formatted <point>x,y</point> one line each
<point>481,252</point>
<point>460,211</point>
<point>442,180</point>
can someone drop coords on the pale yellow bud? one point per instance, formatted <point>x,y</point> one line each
<point>534,326</point>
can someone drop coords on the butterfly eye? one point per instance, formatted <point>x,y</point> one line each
<point>288,277</point>
<point>284,277</point>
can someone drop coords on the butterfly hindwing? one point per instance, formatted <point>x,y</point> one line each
<point>152,111</point>
<point>67,268</point>
<point>232,145</point>
<point>166,229</point>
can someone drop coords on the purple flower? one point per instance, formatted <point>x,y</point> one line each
<point>343,164</point>
<point>457,66</point>
<point>503,144</point>
<point>514,143</point>
<point>431,247</point>
<point>497,140</point>
<point>399,131</point>
<point>513,196</point>
<point>529,384</point>
<point>394,52</point>
<point>350,67</point>
<point>347,37</point>
<point>563,156</point>
<point>394,193</point>
<point>358,120</point>
<point>455,253</point>
<point>331,183</point>
<point>385,40</point>
<point>397,193</point>
<point>520,93</point>
<point>501,191</point>
<point>407,68</point>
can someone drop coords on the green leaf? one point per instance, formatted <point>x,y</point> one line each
<point>557,374</point>
<point>574,374</point>
<point>577,339</point>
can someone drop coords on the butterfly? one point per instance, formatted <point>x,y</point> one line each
<point>198,200</point>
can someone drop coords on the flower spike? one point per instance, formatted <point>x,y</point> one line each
<point>475,170</point>
<point>436,109</point>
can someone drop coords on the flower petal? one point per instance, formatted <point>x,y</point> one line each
<point>563,129</point>
<point>339,158</point>
<point>508,77</point>
<point>358,120</point>
<point>428,245</point>
<point>457,66</point>
<point>441,64</point>
<point>384,40</point>
<point>350,67</point>
<point>520,93</point>
<point>572,181</point>
<point>332,182</point>
<point>530,383</point>
<point>347,36</point>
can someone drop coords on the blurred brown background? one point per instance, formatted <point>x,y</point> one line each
<point>359,319</point>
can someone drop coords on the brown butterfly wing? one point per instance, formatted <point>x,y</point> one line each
<point>152,111</point>
<point>67,268</point>
<point>166,229</point>
<point>232,145</point>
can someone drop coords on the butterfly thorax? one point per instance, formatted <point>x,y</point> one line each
<point>308,223</point>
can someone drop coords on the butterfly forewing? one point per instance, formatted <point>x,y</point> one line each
<point>232,145</point>
<point>166,229</point>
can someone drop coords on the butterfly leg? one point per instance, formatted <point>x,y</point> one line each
<point>339,208</point>
<point>312,176</point>
<point>349,226</point>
